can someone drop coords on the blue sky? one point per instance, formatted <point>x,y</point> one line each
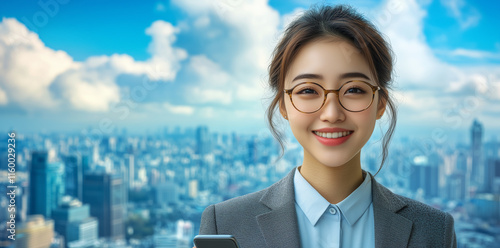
<point>68,64</point>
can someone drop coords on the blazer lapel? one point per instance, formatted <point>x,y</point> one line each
<point>391,229</point>
<point>279,226</point>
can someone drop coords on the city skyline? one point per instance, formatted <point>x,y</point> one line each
<point>172,176</point>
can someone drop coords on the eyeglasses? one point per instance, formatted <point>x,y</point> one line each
<point>353,96</point>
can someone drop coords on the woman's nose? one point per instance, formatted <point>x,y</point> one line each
<point>332,111</point>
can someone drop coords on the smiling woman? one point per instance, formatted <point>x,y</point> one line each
<point>329,201</point>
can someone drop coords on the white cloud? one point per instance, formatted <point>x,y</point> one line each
<point>35,76</point>
<point>426,87</point>
<point>165,59</point>
<point>3,97</point>
<point>203,95</point>
<point>416,65</point>
<point>470,53</point>
<point>209,73</point>
<point>467,16</point>
<point>202,22</point>
<point>252,28</point>
<point>27,66</point>
<point>179,109</point>
<point>206,112</point>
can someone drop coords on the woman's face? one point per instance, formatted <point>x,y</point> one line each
<point>330,63</point>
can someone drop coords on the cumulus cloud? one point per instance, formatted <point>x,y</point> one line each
<point>204,95</point>
<point>425,84</point>
<point>470,53</point>
<point>3,97</point>
<point>178,109</point>
<point>227,75</point>
<point>251,29</point>
<point>27,66</point>
<point>208,73</point>
<point>466,16</point>
<point>35,76</point>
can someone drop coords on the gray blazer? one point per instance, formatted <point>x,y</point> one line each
<point>267,218</point>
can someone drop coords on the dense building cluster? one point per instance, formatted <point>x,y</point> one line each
<point>148,190</point>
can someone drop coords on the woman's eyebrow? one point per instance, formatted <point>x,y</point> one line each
<point>353,75</point>
<point>342,76</point>
<point>307,75</point>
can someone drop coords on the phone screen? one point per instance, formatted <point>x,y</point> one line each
<point>215,241</point>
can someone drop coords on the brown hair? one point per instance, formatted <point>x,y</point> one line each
<point>342,22</point>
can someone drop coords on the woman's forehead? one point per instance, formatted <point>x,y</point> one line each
<point>328,58</point>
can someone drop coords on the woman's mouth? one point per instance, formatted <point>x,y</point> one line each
<point>332,137</point>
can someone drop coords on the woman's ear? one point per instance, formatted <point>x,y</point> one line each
<point>283,109</point>
<point>382,103</point>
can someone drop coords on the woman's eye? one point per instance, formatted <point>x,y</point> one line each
<point>355,90</point>
<point>307,91</point>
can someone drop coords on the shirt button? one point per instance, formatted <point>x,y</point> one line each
<point>333,211</point>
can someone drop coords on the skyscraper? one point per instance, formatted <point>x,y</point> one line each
<point>105,193</point>
<point>73,221</point>
<point>74,175</point>
<point>36,232</point>
<point>479,176</point>
<point>202,141</point>
<point>425,176</point>
<point>46,186</point>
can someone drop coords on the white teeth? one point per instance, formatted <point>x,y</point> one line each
<point>334,135</point>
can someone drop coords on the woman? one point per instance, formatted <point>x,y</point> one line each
<point>330,73</point>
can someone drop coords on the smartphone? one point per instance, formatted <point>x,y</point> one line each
<point>215,241</point>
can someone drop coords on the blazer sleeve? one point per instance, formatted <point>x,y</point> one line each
<point>207,225</point>
<point>450,237</point>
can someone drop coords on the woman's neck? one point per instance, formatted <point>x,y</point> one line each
<point>333,183</point>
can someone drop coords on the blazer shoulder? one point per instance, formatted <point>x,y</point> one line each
<point>273,196</point>
<point>406,206</point>
<point>219,218</point>
<point>421,210</point>
<point>240,203</point>
<point>430,225</point>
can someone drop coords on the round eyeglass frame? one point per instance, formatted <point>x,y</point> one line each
<point>336,92</point>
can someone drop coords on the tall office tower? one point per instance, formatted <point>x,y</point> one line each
<point>105,193</point>
<point>46,186</point>
<point>478,168</point>
<point>74,175</point>
<point>130,163</point>
<point>73,221</point>
<point>36,232</point>
<point>424,176</point>
<point>456,186</point>
<point>494,174</point>
<point>202,141</point>
<point>86,164</point>
<point>252,150</point>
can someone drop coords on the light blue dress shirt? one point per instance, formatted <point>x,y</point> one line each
<point>348,224</point>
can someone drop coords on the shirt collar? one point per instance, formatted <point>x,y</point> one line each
<point>314,205</point>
